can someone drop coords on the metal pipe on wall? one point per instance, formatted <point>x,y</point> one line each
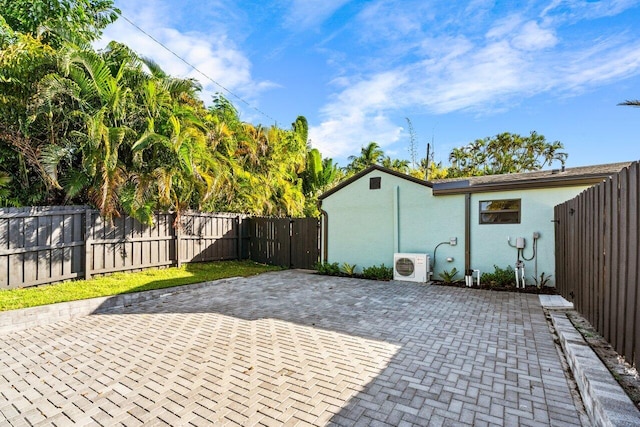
<point>467,233</point>
<point>325,233</point>
<point>396,219</point>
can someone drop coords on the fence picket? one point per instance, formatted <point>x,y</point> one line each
<point>623,243</point>
<point>632,263</point>
<point>597,259</point>
<point>50,244</point>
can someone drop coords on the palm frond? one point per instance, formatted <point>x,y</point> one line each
<point>631,103</point>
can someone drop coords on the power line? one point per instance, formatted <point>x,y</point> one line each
<point>196,69</point>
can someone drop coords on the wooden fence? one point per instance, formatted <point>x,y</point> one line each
<point>49,244</point>
<point>126,244</point>
<point>597,258</point>
<point>289,242</point>
<point>41,245</point>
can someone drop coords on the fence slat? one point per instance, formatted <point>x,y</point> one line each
<point>615,257</point>
<point>598,260</point>
<point>632,262</point>
<point>50,244</point>
<point>622,260</point>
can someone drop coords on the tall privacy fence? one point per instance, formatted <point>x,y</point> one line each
<point>41,245</point>
<point>597,259</point>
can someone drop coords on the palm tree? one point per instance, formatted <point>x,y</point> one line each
<point>631,103</point>
<point>23,131</point>
<point>370,155</point>
<point>396,164</point>
<point>318,175</point>
<point>113,129</point>
<point>109,101</point>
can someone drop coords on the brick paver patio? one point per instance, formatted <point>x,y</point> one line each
<point>291,348</point>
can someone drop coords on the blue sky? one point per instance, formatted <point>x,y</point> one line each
<point>458,70</point>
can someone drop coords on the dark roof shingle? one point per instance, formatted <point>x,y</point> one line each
<point>581,175</point>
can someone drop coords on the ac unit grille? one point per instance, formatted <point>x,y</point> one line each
<point>405,267</point>
<point>411,267</point>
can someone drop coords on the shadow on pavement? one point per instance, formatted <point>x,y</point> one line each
<point>388,352</point>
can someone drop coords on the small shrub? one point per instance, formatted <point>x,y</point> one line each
<point>449,276</point>
<point>543,280</point>
<point>376,272</point>
<point>328,269</point>
<point>501,277</point>
<point>348,269</point>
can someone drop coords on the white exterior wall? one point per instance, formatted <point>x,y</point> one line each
<point>362,223</point>
<point>489,245</point>
<point>426,221</point>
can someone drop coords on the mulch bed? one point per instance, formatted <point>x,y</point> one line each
<point>544,290</point>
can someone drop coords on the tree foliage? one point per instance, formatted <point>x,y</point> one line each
<point>319,175</point>
<point>58,20</point>
<point>371,154</point>
<point>505,153</point>
<point>502,154</point>
<point>112,129</point>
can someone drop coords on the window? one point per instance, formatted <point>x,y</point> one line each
<point>500,211</point>
<point>374,183</point>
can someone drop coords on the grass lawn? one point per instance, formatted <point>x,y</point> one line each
<point>122,283</point>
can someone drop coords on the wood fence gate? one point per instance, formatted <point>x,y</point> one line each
<point>288,242</point>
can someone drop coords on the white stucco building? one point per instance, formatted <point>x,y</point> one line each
<point>474,222</point>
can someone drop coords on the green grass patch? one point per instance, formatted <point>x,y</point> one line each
<point>122,283</point>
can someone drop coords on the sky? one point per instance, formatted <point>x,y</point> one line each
<point>458,71</point>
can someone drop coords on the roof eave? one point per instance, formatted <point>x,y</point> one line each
<point>369,170</point>
<point>553,182</point>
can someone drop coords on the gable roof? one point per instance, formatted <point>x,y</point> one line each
<point>369,170</point>
<point>583,175</point>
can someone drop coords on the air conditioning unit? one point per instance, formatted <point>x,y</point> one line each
<point>411,267</point>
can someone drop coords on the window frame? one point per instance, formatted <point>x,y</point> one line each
<point>518,211</point>
<point>375,183</point>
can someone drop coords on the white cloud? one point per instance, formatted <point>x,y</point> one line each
<point>513,59</point>
<point>433,57</point>
<point>606,61</point>
<point>532,37</point>
<point>213,53</point>
<point>356,116</point>
<point>306,14</point>
<point>523,35</point>
<point>574,10</point>
<point>388,20</point>
<point>344,135</point>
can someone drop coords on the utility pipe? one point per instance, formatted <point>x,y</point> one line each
<point>467,235</point>
<point>325,233</point>
<point>396,219</point>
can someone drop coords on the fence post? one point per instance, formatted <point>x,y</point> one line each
<point>239,233</point>
<point>291,239</point>
<point>88,246</point>
<point>176,229</point>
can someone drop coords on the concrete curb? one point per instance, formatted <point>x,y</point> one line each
<point>605,401</point>
<point>18,320</point>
